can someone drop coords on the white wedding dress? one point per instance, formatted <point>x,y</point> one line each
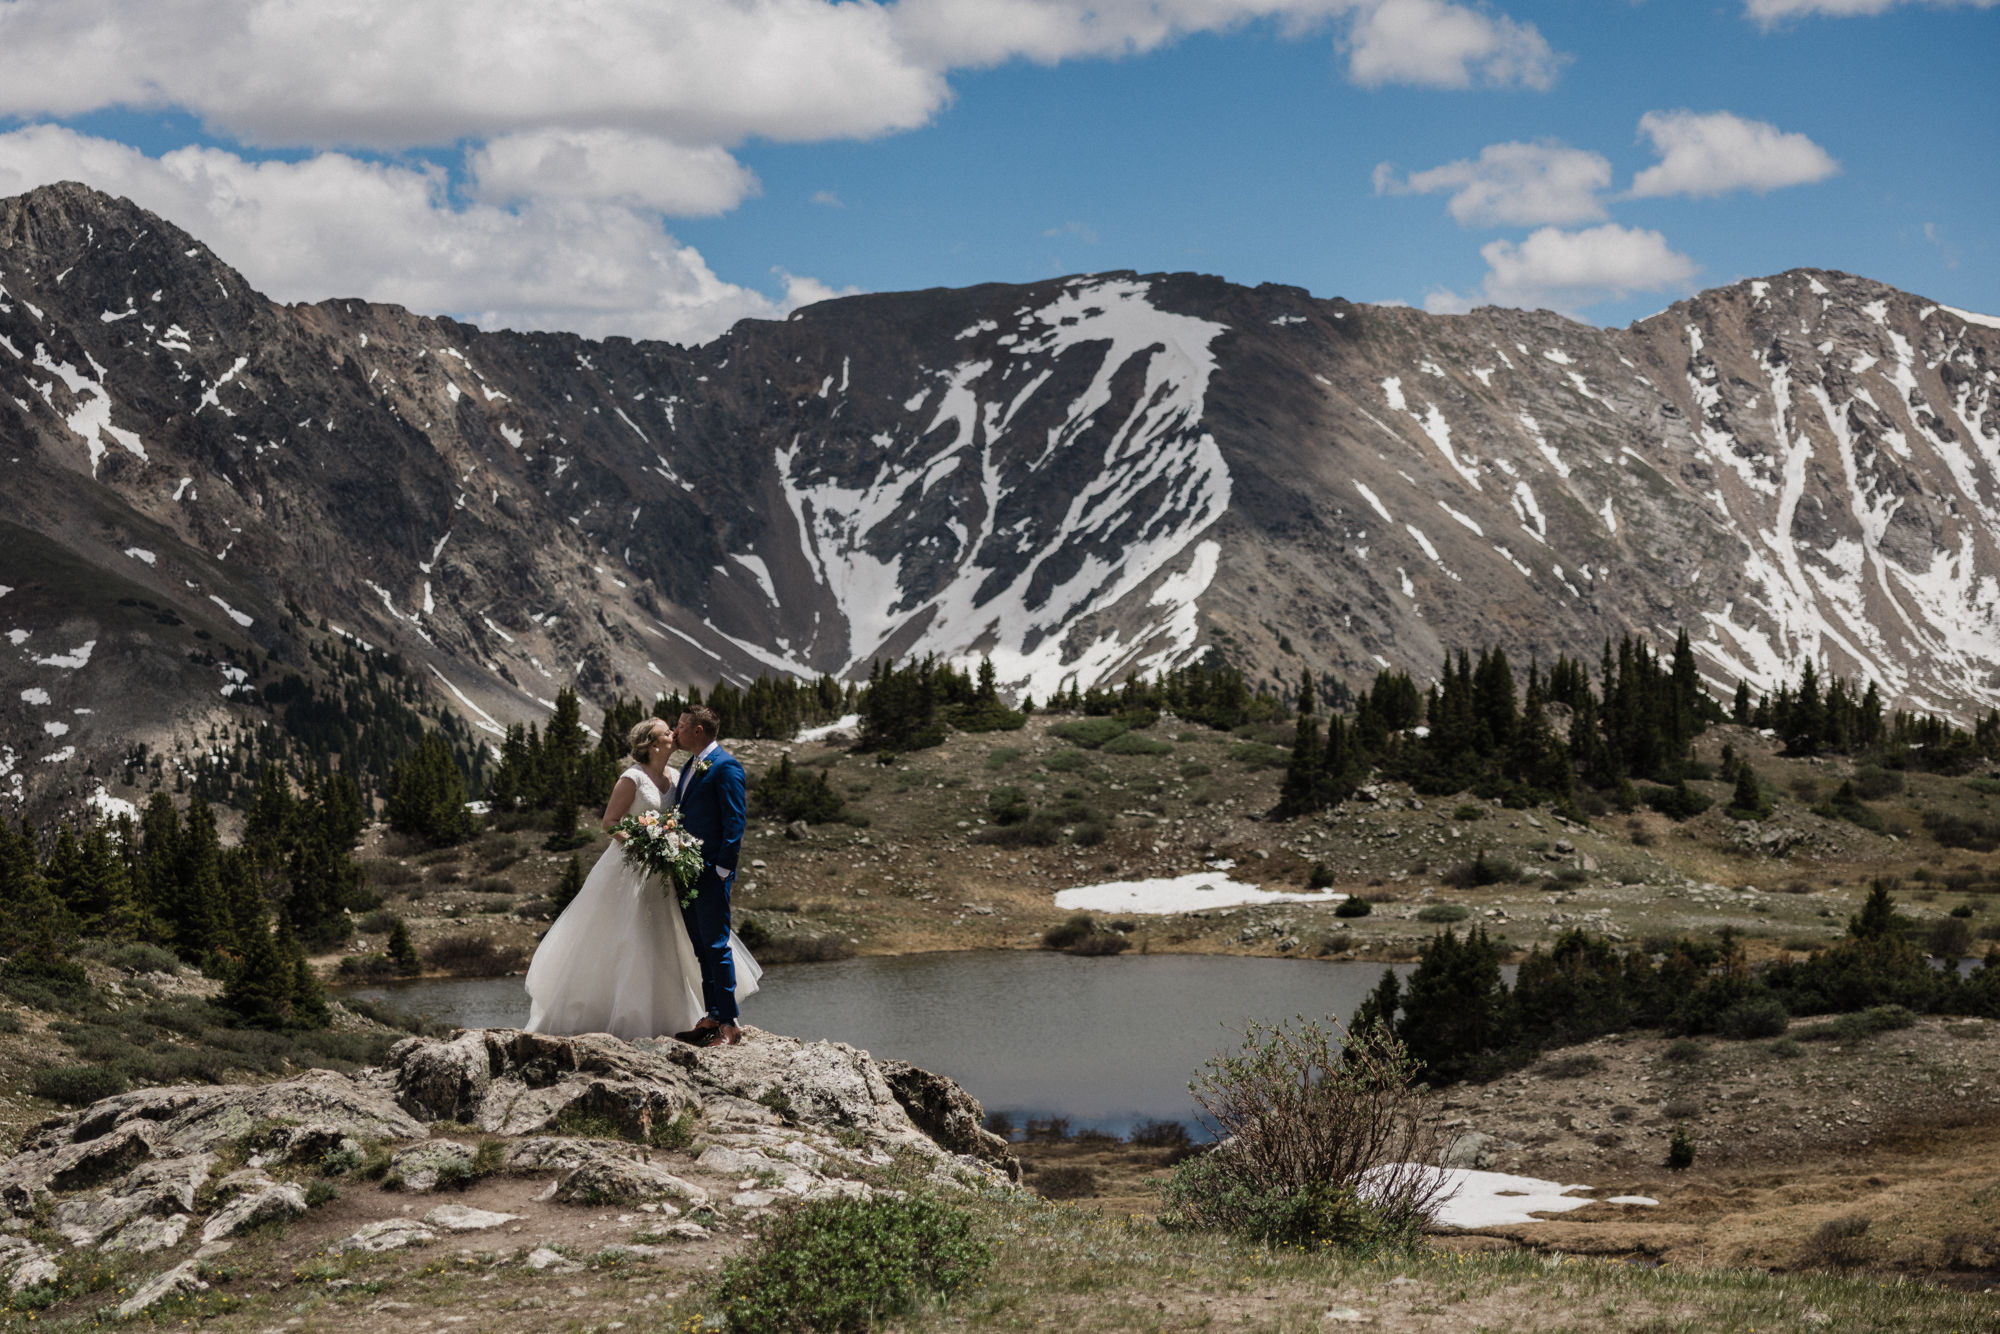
<point>618,960</point>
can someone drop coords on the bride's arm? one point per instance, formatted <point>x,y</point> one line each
<point>621,802</point>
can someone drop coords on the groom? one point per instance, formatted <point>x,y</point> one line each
<point>710,797</point>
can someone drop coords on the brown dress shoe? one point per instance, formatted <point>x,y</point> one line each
<point>700,1037</point>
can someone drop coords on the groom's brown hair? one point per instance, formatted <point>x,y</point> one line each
<point>704,717</point>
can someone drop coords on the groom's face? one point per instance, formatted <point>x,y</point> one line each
<point>688,736</point>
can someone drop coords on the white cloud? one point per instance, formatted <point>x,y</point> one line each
<point>1517,184</point>
<point>1714,153</point>
<point>1442,45</point>
<point>1772,12</point>
<point>333,225</point>
<point>583,124</point>
<point>1568,271</point>
<point>828,199</point>
<point>612,165</point>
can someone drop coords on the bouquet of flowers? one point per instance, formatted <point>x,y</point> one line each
<point>656,843</point>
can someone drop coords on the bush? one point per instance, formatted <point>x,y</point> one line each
<point>1082,935</point>
<point>1137,743</point>
<point>1951,938</point>
<point>789,793</point>
<point>1680,1149</point>
<point>134,956</point>
<point>1321,1142</point>
<point>1067,762</point>
<point>1861,1024</point>
<point>1679,802</point>
<point>1354,906</point>
<point>1873,783</point>
<point>1838,1244</point>
<point>1069,1181</point>
<point>1470,810</point>
<point>1261,754</point>
<point>1008,806</point>
<point>1160,1135</point>
<point>468,954</point>
<point>1759,1017</point>
<point>1481,871</point>
<point>1683,1050</point>
<point>1320,877</point>
<point>76,1085</point>
<point>842,1265</point>
<point>1091,733</point>
<point>1443,912</point>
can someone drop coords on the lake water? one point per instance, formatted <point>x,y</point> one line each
<point>1106,1042</point>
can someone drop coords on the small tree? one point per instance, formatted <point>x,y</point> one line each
<point>1747,802</point>
<point>1324,1139</point>
<point>403,951</point>
<point>427,795</point>
<point>568,887</point>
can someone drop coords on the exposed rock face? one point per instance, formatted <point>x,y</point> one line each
<point>798,1121</point>
<point>1082,477</point>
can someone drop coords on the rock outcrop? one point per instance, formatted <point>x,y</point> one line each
<point>655,1125</point>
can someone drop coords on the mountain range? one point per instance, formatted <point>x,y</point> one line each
<point>1079,478</point>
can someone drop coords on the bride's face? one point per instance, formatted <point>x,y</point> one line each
<point>663,743</point>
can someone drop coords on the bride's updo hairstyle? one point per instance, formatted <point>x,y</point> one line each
<point>640,740</point>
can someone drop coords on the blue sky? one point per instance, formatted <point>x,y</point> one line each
<point>654,170</point>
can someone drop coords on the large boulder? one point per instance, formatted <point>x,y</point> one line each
<point>512,1082</point>
<point>154,1190</point>
<point>948,1114</point>
<point>422,1168</point>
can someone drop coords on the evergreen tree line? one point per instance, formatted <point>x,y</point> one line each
<point>360,713</point>
<point>911,706</point>
<point>245,914</point>
<point>1636,724</point>
<point>1457,1015</point>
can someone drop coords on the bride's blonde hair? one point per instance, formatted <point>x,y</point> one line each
<point>639,741</point>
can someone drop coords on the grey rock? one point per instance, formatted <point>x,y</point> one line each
<point>753,1199</point>
<point>420,1168</point>
<point>158,1188</point>
<point>511,1082</point>
<point>542,1257</point>
<point>796,831</point>
<point>459,1218</point>
<point>387,1234</point>
<point>942,1109</point>
<point>1472,1149</point>
<point>25,1264</point>
<point>625,1181</point>
<point>270,1203</point>
<point>142,1236</point>
<point>181,1278</point>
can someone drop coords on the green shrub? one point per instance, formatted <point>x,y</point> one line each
<point>839,1265</point>
<point>1861,1024</point>
<point>1873,783</point>
<point>1067,762</point>
<point>76,1085</point>
<point>1758,1017</point>
<point>1137,743</point>
<point>1354,906</point>
<point>1090,733</point>
<point>1680,1149</point>
<point>1008,806</point>
<point>1067,1181</point>
<point>136,956</point>
<point>1002,756</point>
<point>1443,912</point>
<point>1261,754</point>
<point>48,984</point>
<point>1470,810</point>
<point>1683,1050</point>
<point>1320,877</point>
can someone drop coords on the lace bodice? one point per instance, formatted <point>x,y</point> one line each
<point>649,797</point>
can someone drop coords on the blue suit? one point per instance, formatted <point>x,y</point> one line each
<point>712,809</point>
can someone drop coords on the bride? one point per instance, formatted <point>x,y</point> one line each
<point>619,960</point>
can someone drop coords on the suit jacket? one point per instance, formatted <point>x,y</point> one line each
<point>713,810</point>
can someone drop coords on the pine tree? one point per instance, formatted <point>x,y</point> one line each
<point>30,915</point>
<point>305,1002</point>
<point>1878,918</point>
<point>259,991</point>
<point>403,951</point>
<point>427,795</point>
<point>1300,792</point>
<point>1747,802</point>
<point>567,888</point>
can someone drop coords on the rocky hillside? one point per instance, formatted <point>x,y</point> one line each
<point>1079,477</point>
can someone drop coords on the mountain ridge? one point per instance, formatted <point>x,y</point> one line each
<point>1078,477</point>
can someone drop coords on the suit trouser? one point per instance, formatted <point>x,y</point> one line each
<point>707,921</point>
